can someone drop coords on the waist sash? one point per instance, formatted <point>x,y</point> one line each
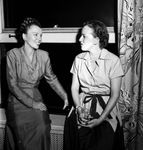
<point>94,98</point>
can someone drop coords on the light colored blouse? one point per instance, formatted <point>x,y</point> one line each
<point>96,80</point>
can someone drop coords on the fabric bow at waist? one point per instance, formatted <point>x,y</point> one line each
<point>94,98</point>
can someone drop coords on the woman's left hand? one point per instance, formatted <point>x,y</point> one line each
<point>92,123</point>
<point>66,103</point>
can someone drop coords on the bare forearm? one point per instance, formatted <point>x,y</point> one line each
<point>75,96</point>
<point>110,105</point>
<point>115,92</point>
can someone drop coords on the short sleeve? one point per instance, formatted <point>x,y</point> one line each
<point>116,69</point>
<point>74,67</point>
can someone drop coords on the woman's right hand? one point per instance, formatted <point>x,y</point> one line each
<point>40,106</point>
<point>80,112</point>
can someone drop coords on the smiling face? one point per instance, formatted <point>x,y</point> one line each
<point>87,40</point>
<point>33,37</point>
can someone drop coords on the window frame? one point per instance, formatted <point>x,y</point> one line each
<point>50,35</point>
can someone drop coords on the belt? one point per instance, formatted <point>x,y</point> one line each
<point>94,98</point>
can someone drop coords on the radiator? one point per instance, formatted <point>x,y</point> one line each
<point>56,136</point>
<point>2,135</point>
<point>56,133</point>
<point>57,128</point>
<point>2,128</point>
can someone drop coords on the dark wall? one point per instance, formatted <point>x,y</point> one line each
<point>65,13</point>
<point>3,82</point>
<point>62,56</point>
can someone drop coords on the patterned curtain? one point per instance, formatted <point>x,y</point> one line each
<point>130,42</point>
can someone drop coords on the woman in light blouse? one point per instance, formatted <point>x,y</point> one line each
<point>94,123</point>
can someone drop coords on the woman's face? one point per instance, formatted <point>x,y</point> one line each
<point>33,38</point>
<point>87,40</point>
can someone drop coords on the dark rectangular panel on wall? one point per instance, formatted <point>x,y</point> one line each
<point>62,56</point>
<point>64,13</point>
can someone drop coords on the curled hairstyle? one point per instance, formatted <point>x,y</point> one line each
<point>99,30</point>
<point>27,23</point>
<point>24,26</point>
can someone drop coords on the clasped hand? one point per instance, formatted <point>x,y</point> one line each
<point>88,122</point>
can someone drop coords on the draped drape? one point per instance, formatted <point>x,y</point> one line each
<point>130,44</point>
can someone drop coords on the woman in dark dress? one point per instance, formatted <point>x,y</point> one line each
<point>28,122</point>
<point>94,123</point>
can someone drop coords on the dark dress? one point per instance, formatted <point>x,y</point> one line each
<point>28,128</point>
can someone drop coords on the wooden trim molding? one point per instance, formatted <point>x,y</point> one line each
<point>53,35</point>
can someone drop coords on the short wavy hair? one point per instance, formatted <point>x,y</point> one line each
<point>99,30</point>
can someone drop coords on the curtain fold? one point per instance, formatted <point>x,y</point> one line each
<point>130,45</point>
